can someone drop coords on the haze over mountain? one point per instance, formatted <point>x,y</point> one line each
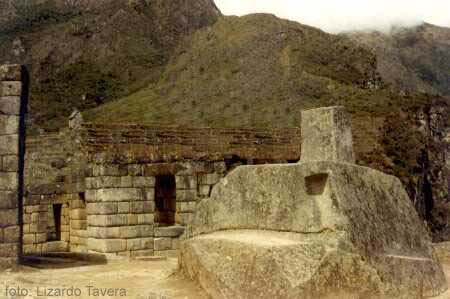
<point>340,16</point>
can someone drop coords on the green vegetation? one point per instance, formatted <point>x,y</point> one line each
<point>80,85</point>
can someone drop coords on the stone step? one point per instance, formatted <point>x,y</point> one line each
<point>169,231</point>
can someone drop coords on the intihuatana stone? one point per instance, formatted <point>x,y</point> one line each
<point>327,135</point>
<point>323,228</point>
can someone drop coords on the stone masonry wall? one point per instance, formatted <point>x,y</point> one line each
<point>120,207</point>
<point>54,175</point>
<point>12,95</point>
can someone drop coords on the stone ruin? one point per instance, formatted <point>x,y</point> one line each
<point>12,104</point>
<point>115,190</point>
<point>296,230</point>
<point>322,228</point>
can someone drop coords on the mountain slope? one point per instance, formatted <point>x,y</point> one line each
<point>412,59</point>
<point>256,70</point>
<point>83,57</point>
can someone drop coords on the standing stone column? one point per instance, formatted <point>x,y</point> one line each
<point>13,94</point>
<point>327,135</point>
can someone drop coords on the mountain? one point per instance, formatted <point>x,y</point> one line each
<point>411,59</point>
<point>86,54</point>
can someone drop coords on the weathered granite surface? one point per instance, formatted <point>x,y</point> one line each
<point>317,229</point>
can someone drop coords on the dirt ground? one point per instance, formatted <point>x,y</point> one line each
<point>43,278</point>
<point>138,279</point>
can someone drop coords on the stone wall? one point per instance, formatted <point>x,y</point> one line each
<point>54,179</point>
<point>105,178</point>
<point>13,92</point>
<point>163,142</point>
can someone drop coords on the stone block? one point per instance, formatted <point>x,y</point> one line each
<point>166,253</point>
<point>209,178</point>
<point>9,144</point>
<point>42,237</point>
<point>149,206</point>
<point>9,217</point>
<point>123,207</point>
<point>11,234</point>
<point>137,207</point>
<point>107,220</point>
<point>10,72</point>
<point>175,244</point>
<point>186,195</point>
<point>126,182</point>
<point>326,135</point>
<point>81,233</point>
<point>8,200</point>
<point>56,246</point>
<point>220,167</point>
<point>78,204</point>
<point>162,244</point>
<point>10,163</point>
<point>10,105</point>
<point>111,170</point>
<point>106,245</point>
<point>29,249</point>
<point>65,236</point>
<point>29,239</point>
<point>146,218</point>
<point>35,217</point>
<point>186,182</point>
<point>144,181</point>
<point>91,183</point>
<point>146,230</point>
<point>104,232</point>
<point>102,208</point>
<point>107,182</point>
<point>129,232</point>
<point>186,207</point>
<point>118,194</point>
<point>9,181</point>
<point>10,88</point>
<point>77,240</point>
<point>183,218</point>
<point>149,194</point>
<point>139,244</point>
<point>91,195</point>
<point>9,250</point>
<point>78,224</point>
<point>170,231</point>
<point>136,231</point>
<point>9,124</point>
<point>135,170</point>
<point>204,190</point>
<point>132,219</point>
<point>78,214</point>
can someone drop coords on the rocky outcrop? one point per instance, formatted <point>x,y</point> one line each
<point>317,229</point>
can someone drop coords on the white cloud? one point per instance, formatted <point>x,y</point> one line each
<point>337,16</point>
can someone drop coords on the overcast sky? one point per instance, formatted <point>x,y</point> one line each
<point>342,15</point>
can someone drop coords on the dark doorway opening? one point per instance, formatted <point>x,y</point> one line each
<point>165,200</point>
<point>57,212</point>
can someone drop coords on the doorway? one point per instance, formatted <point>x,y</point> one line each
<point>165,200</point>
<point>55,234</point>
